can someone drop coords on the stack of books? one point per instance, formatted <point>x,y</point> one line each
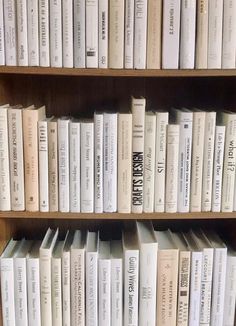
<point>130,34</point>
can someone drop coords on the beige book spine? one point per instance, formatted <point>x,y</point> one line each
<point>53,166</point>
<point>202,34</point>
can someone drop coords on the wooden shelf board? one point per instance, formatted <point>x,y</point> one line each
<point>117,72</point>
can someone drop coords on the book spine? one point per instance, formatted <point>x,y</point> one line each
<point>209,139</point>
<point>56,33</point>
<point>187,41</point>
<point>16,156</point>
<point>79,33</point>
<point>56,292</point>
<point>229,30</point>
<point>230,289</point>
<point>172,168</point>
<point>154,34</point>
<point>92,33</point>
<point>171,31</point>
<point>103,33</point>
<point>131,287</point>
<point>33,279</point>
<point>98,161</point>
<point>110,162</point>
<point>138,126</point>
<point>53,166</point>
<point>43,166</point>
<point>10,32</point>
<point>160,169</point>
<point>149,162</point>
<point>33,32</point>
<point>66,283</point>
<point>20,284</point>
<point>129,34</point>
<point>74,167</point>
<point>5,192</point>
<point>44,56</point>
<point>140,33</point>
<point>2,38</point>
<point>45,287</point>
<point>22,35</point>
<point>124,162</point>
<point>195,286</point>
<point>104,298</point>
<point>202,34</point>
<point>197,161</point>
<point>218,168</point>
<point>116,34</point>
<point>67,32</point>
<point>63,165</point>
<point>87,167</point>
<point>116,292</point>
<point>91,289</point>
<point>215,34</point>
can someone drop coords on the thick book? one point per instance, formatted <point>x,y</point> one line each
<point>55,33</point>
<point>74,138</point>
<point>229,33</point>
<point>9,9</point>
<point>140,33</point>
<point>33,32</point>
<point>67,33</point>
<point>138,127</point>
<point>79,34</point>
<point>129,35</point>
<point>103,10</point>
<point>2,37</point>
<point>44,46</point>
<point>22,33</point>
<point>202,34</point>
<point>91,33</point>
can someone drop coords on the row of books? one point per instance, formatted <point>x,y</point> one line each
<point>152,34</point>
<point>149,277</point>
<point>140,161</point>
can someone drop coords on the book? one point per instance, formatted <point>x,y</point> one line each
<point>229,30</point>
<point>160,168</point>
<point>79,34</point>
<point>22,33</point>
<point>103,33</point>
<point>74,138</point>
<point>91,33</point>
<point>140,33</point>
<point>33,32</point>
<point>67,33</point>
<point>170,34</point>
<point>124,160</point>
<point>87,167</point>
<point>138,126</point>
<point>9,10</point>
<point>55,33</point>
<point>44,54</point>
<point>116,33</point>
<point>149,162</point>
<point>64,163</point>
<point>2,38</point>
<point>202,34</point>
<point>129,35</point>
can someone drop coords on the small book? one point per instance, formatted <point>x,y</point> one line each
<point>79,34</point>
<point>56,33</point>
<point>67,33</point>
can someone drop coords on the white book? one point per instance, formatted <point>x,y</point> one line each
<point>148,247</point>
<point>44,55</point>
<point>116,283</point>
<point>56,33</point>
<point>92,279</point>
<point>184,118</point>
<point>2,37</point>
<point>91,33</point>
<point>5,192</point>
<point>172,159</point>
<point>138,126</point>
<point>110,162</point>
<point>67,33</point>
<point>129,35</point>
<point>9,9</point>
<point>160,169</point>
<point>33,282</point>
<point>124,160</point>
<point>229,32</point>
<point>140,34</point>
<point>197,160</point>
<point>202,34</point>
<point>78,278</point>
<point>63,164</point>
<point>103,33</point>
<point>98,162</point>
<point>16,155</point>
<point>74,136</point>
<point>87,167</point>
<point>218,168</point>
<point>208,156</point>
<point>79,33</point>
<point>215,34</point>
<point>33,32</point>
<point>171,31</point>
<point>104,284</point>
<point>22,33</point>
<point>187,34</point>
<point>131,277</point>
<point>149,162</point>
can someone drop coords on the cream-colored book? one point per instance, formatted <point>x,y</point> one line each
<point>202,34</point>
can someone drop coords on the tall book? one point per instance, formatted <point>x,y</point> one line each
<point>33,32</point>
<point>202,34</point>
<point>91,33</point>
<point>140,33</point>
<point>229,32</point>
<point>124,160</point>
<point>116,33</point>
<point>2,37</point>
<point>67,33</point>
<point>129,34</point>
<point>103,9</point>
<point>22,33</point>
<point>74,138</point>
<point>9,9</point>
<point>110,162</point>
<point>79,34</point>
<point>160,169</point>
<point>55,33</point>
<point>171,34</point>
<point>138,126</point>
<point>44,54</point>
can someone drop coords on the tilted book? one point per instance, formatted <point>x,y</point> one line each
<point>44,51</point>
<point>2,37</point>
<point>202,34</point>
<point>229,33</point>
<point>140,33</point>
<point>103,33</point>
<point>79,33</point>
<point>56,33</point>
<point>33,32</point>
<point>67,33</point>
<point>74,137</point>
<point>129,34</point>
<point>22,32</point>
<point>9,9</point>
<point>91,33</point>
